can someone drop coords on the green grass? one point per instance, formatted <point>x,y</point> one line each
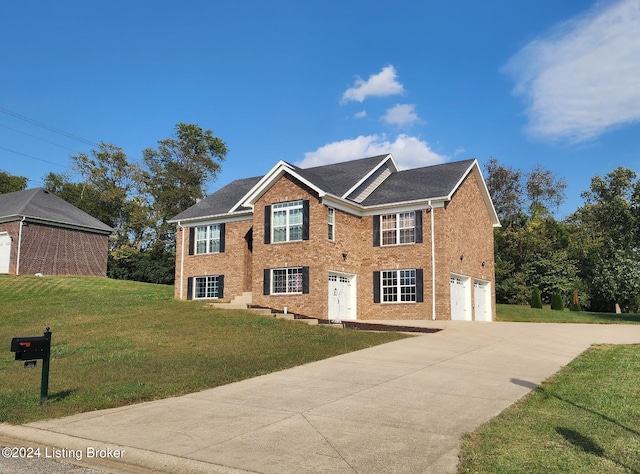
<point>586,418</point>
<point>120,342</point>
<point>518,314</point>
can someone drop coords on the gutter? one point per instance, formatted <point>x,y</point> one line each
<point>19,245</point>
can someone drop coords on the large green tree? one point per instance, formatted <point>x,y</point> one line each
<point>606,240</point>
<point>177,172</point>
<point>10,183</point>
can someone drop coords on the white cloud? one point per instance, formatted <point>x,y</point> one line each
<point>582,79</point>
<point>408,152</point>
<point>382,84</point>
<point>361,114</point>
<point>401,114</point>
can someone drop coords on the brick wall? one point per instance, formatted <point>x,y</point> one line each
<point>231,263</point>
<point>462,228</point>
<point>54,250</point>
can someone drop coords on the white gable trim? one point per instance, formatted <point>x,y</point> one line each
<point>268,180</point>
<point>486,197</point>
<point>392,165</point>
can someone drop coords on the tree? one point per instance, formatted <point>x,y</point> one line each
<point>605,240</point>
<point>545,192</point>
<point>177,172</point>
<point>505,187</point>
<point>10,183</point>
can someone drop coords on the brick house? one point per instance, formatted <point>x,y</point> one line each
<point>41,233</point>
<point>354,240</point>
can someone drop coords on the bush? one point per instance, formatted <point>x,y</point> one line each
<point>556,302</point>
<point>536,299</point>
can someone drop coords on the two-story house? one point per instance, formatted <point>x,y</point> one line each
<point>353,240</point>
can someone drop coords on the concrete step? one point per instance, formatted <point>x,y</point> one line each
<point>285,316</point>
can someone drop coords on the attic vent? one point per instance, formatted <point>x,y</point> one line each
<point>371,184</point>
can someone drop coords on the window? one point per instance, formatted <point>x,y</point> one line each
<point>332,224</point>
<point>208,239</point>
<point>284,281</point>
<point>208,287</point>
<point>398,228</point>
<point>398,286</point>
<point>287,221</point>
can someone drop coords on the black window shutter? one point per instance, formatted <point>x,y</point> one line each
<point>267,225</point>
<point>376,287</point>
<point>419,285</point>
<point>418,231</point>
<point>266,283</point>
<point>305,219</point>
<point>305,280</point>
<point>222,239</point>
<point>190,288</point>
<point>376,231</point>
<point>192,239</point>
<point>220,286</point>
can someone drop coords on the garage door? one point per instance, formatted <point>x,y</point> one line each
<point>5,252</point>
<point>482,300</point>
<point>460,298</point>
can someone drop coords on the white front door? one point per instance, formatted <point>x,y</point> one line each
<point>341,296</point>
<point>460,298</point>
<point>482,300</point>
<point>5,252</point>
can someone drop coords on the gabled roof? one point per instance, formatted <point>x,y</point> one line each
<point>221,202</point>
<point>361,185</point>
<point>430,182</point>
<point>41,205</point>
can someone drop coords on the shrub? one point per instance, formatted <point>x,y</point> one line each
<point>536,299</point>
<point>556,302</point>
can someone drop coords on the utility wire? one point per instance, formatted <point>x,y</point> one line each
<point>32,157</point>
<point>39,138</point>
<point>48,127</point>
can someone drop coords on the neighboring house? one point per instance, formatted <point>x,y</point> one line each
<point>353,240</point>
<point>41,233</point>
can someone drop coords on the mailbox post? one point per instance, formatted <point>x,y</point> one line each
<point>29,349</point>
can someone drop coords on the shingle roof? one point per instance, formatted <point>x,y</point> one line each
<point>338,178</point>
<point>42,205</point>
<point>430,182</point>
<point>219,202</point>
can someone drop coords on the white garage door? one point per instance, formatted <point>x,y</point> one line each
<point>5,252</point>
<point>341,296</point>
<point>460,298</point>
<point>482,300</point>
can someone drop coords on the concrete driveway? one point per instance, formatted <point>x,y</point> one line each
<point>400,407</point>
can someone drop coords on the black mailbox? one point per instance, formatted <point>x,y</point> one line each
<point>31,348</point>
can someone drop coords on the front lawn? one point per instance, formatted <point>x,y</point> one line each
<point>121,342</point>
<point>585,418</point>
<point>519,314</point>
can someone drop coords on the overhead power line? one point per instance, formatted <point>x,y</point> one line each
<point>39,138</point>
<point>32,157</point>
<point>48,127</point>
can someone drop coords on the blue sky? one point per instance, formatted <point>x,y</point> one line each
<point>313,82</point>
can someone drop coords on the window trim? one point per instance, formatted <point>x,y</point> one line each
<point>192,287</point>
<point>378,287</point>
<point>193,239</point>
<point>269,281</point>
<point>379,232</point>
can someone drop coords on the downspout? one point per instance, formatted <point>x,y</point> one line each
<point>19,246</point>
<point>433,266</point>
<point>181,260</point>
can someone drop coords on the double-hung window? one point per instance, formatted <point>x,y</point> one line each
<point>286,281</point>
<point>398,228</point>
<point>398,286</point>
<point>332,224</point>
<point>287,221</point>
<point>208,239</point>
<point>205,287</point>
